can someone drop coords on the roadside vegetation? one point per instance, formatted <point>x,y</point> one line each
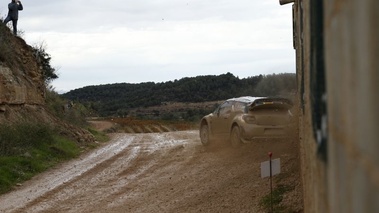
<point>27,149</point>
<point>276,200</point>
<point>30,145</point>
<point>7,53</point>
<point>73,113</point>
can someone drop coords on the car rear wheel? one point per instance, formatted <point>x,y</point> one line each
<point>204,135</point>
<point>235,138</point>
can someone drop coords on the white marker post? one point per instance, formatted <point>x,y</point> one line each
<point>269,169</point>
<point>270,155</point>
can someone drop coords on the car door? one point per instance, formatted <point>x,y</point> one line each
<point>220,122</point>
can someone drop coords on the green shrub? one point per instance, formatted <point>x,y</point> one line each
<point>277,197</point>
<point>99,136</point>
<point>7,53</point>
<point>68,111</point>
<point>43,59</point>
<point>27,149</point>
<point>17,139</point>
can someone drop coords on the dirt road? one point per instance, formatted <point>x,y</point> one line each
<point>157,172</point>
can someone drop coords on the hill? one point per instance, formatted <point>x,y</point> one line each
<point>149,99</point>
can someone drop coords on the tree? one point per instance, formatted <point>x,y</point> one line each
<point>43,60</point>
<point>276,85</point>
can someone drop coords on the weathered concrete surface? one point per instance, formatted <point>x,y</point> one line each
<point>349,180</point>
<point>352,41</point>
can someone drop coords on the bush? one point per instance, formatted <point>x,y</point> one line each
<point>17,139</point>
<point>27,149</point>
<point>276,199</point>
<point>73,113</point>
<point>43,59</point>
<point>7,53</point>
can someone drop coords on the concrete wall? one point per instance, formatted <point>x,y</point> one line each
<point>348,180</point>
<point>313,169</point>
<point>352,65</point>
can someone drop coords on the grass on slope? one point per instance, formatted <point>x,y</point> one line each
<point>28,149</point>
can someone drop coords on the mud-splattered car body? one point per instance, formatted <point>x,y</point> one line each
<point>245,118</point>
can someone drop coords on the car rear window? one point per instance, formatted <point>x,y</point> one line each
<point>239,106</point>
<point>271,103</point>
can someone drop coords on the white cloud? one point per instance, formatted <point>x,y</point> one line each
<point>97,42</point>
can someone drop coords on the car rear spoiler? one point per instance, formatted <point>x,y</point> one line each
<point>278,103</point>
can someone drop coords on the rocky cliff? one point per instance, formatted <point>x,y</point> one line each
<point>22,87</point>
<point>21,80</point>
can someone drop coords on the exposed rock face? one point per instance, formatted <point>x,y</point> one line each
<point>18,88</point>
<point>21,80</point>
<point>22,88</point>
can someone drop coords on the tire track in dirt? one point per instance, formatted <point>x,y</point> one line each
<point>103,169</point>
<point>56,178</point>
<point>154,172</point>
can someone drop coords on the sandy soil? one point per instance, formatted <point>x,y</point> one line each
<point>101,125</point>
<point>158,172</point>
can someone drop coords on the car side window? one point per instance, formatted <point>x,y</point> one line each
<point>217,110</point>
<point>226,108</point>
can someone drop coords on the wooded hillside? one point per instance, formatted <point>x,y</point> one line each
<point>112,99</point>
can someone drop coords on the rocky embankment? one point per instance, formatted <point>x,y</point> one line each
<point>22,87</point>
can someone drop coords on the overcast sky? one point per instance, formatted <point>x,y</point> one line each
<point>97,42</point>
